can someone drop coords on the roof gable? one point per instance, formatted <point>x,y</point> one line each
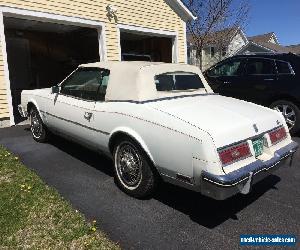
<point>264,38</point>
<point>181,10</point>
<point>265,46</point>
<point>223,37</point>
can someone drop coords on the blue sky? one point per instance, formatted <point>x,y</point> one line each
<point>279,16</point>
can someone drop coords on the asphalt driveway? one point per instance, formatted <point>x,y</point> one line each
<point>174,218</point>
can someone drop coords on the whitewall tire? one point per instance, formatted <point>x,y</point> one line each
<point>37,128</point>
<point>134,172</point>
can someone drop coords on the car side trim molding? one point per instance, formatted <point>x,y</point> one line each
<point>75,123</point>
<point>162,99</point>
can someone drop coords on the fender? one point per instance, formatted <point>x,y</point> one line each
<point>130,132</point>
<point>31,100</point>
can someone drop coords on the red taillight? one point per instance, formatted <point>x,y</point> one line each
<point>234,153</point>
<point>277,135</point>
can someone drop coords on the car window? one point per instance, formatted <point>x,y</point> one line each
<point>86,83</point>
<point>229,68</point>
<point>179,81</point>
<point>133,57</point>
<point>104,82</point>
<point>259,66</point>
<point>283,67</point>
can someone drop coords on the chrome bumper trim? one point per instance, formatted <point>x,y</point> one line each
<point>238,176</point>
<point>22,111</point>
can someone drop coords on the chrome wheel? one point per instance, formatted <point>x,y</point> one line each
<point>128,165</point>
<point>36,125</point>
<point>288,113</point>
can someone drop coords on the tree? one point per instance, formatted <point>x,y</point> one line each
<point>215,16</point>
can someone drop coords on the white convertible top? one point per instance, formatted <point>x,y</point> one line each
<point>134,81</point>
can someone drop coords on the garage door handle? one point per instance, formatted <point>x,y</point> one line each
<point>88,115</point>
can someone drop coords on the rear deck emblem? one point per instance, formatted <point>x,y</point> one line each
<point>255,128</point>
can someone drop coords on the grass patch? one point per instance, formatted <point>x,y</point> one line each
<point>33,215</point>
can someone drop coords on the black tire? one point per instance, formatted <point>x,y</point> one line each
<point>38,130</point>
<point>146,180</point>
<point>290,112</point>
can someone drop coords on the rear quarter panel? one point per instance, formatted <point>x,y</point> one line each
<point>172,144</point>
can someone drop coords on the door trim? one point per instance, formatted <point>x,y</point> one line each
<point>75,123</point>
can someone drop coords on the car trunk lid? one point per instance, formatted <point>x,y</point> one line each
<point>227,120</point>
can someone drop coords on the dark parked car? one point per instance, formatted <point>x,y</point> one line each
<point>272,80</point>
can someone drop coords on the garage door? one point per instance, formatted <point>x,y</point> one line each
<point>41,54</point>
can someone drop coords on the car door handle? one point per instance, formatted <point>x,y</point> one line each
<point>88,115</point>
<point>226,82</point>
<point>269,79</point>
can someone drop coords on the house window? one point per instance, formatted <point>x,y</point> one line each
<point>212,51</point>
<point>224,51</point>
<point>189,55</point>
<point>207,51</point>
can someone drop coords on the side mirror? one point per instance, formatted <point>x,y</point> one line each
<point>55,89</point>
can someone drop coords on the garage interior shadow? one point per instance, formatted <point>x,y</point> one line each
<point>138,47</point>
<point>202,210</point>
<point>42,54</point>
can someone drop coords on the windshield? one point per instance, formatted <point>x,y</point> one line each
<point>178,81</point>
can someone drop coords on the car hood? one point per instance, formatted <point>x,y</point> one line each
<point>226,119</point>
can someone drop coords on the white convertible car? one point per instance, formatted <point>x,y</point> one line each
<point>162,121</point>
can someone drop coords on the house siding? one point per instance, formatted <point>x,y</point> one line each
<point>272,40</point>
<point>237,43</point>
<point>152,14</point>
<point>4,113</point>
<point>234,46</point>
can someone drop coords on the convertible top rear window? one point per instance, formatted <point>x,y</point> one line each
<point>179,81</point>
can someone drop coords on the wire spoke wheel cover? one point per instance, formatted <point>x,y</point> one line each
<point>288,113</point>
<point>36,125</point>
<point>129,165</point>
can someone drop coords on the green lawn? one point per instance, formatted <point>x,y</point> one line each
<point>33,215</point>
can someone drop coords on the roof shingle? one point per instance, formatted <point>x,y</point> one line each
<point>294,48</point>
<point>263,38</point>
<point>274,47</point>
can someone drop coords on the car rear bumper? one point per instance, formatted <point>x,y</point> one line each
<point>221,187</point>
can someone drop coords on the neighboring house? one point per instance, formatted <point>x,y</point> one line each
<point>229,42</point>
<point>218,46</point>
<point>294,49</point>
<point>265,43</point>
<point>43,41</point>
